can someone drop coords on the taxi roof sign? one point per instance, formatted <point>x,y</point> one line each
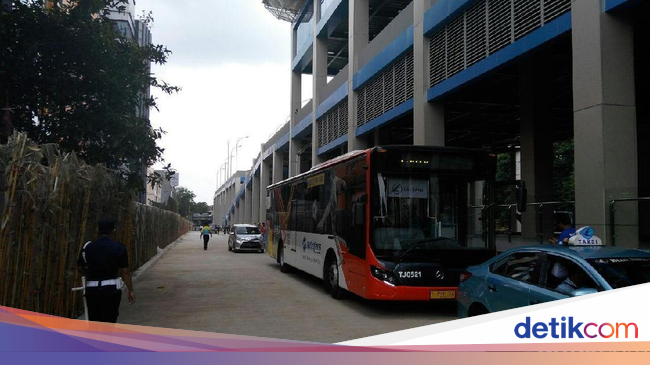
<point>586,236</point>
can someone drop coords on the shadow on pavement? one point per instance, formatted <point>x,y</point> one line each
<point>371,308</point>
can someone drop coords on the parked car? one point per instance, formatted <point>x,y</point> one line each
<point>245,237</point>
<point>532,275</point>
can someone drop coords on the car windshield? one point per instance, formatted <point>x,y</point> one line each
<point>247,230</point>
<point>622,272</point>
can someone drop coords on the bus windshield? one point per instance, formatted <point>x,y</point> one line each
<point>428,201</point>
<point>431,212</point>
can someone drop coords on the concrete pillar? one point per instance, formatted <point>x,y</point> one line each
<point>219,209</point>
<point>359,35</point>
<point>536,148</point>
<point>256,198</point>
<point>294,159</point>
<point>278,165</point>
<point>515,225</point>
<point>265,175</point>
<point>428,118</point>
<point>248,206</point>
<point>475,226</point>
<point>319,72</point>
<point>606,166</point>
<point>231,201</point>
<point>222,206</point>
<point>296,106</point>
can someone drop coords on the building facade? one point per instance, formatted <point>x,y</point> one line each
<point>168,187</point>
<point>501,75</point>
<point>154,193</point>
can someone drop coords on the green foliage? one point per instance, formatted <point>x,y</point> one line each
<point>185,199</point>
<point>201,207</point>
<point>563,171</point>
<point>503,195</point>
<point>70,78</point>
<point>172,205</point>
<point>503,172</point>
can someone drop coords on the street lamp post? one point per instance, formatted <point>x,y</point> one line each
<point>236,147</point>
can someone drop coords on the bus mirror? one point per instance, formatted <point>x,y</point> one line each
<point>522,196</point>
<point>358,212</point>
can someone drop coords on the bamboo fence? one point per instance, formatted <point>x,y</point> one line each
<point>50,203</point>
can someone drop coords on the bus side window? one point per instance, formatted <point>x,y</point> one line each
<point>298,207</point>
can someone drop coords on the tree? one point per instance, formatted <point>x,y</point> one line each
<point>201,207</point>
<point>185,199</point>
<point>69,77</point>
<point>172,205</point>
<point>563,172</point>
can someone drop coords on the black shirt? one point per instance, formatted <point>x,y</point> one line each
<point>104,258</point>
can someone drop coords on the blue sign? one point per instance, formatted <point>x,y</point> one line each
<point>587,232</point>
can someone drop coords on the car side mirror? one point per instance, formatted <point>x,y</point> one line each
<point>583,291</point>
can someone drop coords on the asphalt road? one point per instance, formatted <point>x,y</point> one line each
<point>246,294</point>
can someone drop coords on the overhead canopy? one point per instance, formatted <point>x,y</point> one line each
<point>286,10</point>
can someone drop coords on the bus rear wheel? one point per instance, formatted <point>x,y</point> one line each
<point>332,279</point>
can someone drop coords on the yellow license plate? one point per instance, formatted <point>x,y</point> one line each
<point>443,294</point>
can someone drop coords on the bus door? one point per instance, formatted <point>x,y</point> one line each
<point>350,221</point>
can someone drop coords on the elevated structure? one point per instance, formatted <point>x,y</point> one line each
<point>514,77</point>
<point>286,10</point>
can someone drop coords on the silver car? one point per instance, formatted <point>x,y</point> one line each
<point>245,237</point>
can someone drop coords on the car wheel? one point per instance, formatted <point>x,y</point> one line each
<point>229,247</point>
<point>477,309</point>
<point>284,267</point>
<point>332,279</point>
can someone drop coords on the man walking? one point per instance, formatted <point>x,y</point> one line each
<point>102,261</point>
<point>206,233</point>
<point>263,231</point>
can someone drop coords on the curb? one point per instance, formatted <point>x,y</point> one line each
<point>152,261</point>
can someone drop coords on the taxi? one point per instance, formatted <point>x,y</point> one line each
<point>538,274</point>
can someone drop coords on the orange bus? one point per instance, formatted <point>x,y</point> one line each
<point>387,223</point>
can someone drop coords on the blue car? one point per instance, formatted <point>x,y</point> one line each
<point>533,275</point>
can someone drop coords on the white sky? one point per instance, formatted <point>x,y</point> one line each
<point>232,59</point>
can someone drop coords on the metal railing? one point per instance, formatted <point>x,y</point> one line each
<point>612,215</point>
<point>539,212</point>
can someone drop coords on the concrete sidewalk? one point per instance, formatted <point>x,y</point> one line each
<point>246,294</point>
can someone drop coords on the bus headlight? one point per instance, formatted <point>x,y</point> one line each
<point>383,275</point>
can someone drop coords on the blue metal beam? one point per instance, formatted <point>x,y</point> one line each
<point>303,128</point>
<point>385,118</point>
<point>442,12</point>
<point>303,57</point>
<point>332,100</point>
<point>331,17</point>
<point>613,5</point>
<point>332,145</point>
